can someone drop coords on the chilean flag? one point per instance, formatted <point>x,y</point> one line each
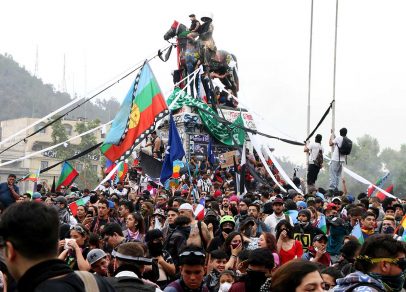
<point>199,211</point>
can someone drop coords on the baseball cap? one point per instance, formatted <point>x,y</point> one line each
<point>61,199</point>
<point>94,255</point>
<point>217,193</point>
<point>278,201</point>
<point>234,198</point>
<point>320,195</point>
<point>162,195</point>
<point>159,212</point>
<point>310,199</point>
<point>331,206</point>
<point>319,237</point>
<point>336,198</point>
<point>186,206</point>
<point>36,195</point>
<point>301,204</point>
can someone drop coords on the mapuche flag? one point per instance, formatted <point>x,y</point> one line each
<point>142,107</point>
<point>68,175</point>
<point>379,183</point>
<point>74,205</point>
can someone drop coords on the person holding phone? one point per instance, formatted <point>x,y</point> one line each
<point>233,245</point>
<point>9,192</point>
<point>288,248</point>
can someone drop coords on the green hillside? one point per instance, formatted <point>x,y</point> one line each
<point>24,95</point>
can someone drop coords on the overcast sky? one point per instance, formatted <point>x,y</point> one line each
<point>103,39</point>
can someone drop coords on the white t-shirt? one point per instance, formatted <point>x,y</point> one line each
<point>314,149</point>
<point>272,220</point>
<point>336,156</point>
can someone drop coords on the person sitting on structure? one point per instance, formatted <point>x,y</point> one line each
<point>154,147</point>
<point>194,27</point>
<point>206,39</point>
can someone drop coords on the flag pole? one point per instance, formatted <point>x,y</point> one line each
<point>334,72</point>
<point>309,82</point>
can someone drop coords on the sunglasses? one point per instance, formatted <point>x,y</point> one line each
<point>78,229</point>
<point>195,253</point>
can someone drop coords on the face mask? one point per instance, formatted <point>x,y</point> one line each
<point>388,230</point>
<point>227,230</point>
<point>303,224</point>
<point>225,287</point>
<point>256,277</point>
<point>243,212</point>
<point>394,282</point>
<point>155,249</point>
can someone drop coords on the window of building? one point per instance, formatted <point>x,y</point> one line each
<point>79,167</point>
<point>68,129</point>
<point>37,147</point>
<point>94,168</point>
<point>44,164</point>
<point>39,126</point>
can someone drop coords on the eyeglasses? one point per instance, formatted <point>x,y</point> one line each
<point>192,252</point>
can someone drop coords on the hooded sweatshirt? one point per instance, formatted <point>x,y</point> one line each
<point>353,280</point>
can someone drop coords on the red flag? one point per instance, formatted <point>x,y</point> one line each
<point>381,196</point>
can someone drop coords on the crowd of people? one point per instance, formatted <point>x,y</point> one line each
<point>201,236</point>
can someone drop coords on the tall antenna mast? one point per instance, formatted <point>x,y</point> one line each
<point>36,63</point>
<point>63,85</point>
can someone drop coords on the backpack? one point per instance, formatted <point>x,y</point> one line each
<point>346,147</point>
<point>319,159</point>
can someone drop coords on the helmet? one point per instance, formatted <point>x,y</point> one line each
<point>227,218</point>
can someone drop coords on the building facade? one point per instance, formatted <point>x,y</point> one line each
<point>38,142</point>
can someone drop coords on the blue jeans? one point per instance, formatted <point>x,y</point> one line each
<point>336,168</point>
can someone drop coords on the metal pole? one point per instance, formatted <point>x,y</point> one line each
<point>310,78</point>
<point>334,73</point>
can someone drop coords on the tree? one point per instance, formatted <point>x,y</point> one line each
<point>395,162</point>
<point>88,176</point>
<point>59,135</point>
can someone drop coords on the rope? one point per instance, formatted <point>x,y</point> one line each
<point>54,146</point>
<point>321,121</point>
<point>80,104</point>
<point>84,152</point>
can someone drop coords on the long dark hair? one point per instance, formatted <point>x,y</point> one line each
<point>227,242</point>
<point>140,220</point>
<point>288,227</point>
<point>290,275</point>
